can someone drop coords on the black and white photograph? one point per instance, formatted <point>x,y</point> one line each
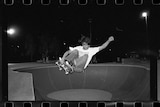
<point>81,50</point>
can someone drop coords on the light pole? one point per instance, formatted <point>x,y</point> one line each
<point>145,16</point>
<point>11,32</point>
<point>90,29</point>
<point>153,62</point>
<point>94,60</point>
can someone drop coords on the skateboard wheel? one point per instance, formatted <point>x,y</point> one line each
<point>66,73</point>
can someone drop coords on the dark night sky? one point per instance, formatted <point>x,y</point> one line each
<point>71,21</point>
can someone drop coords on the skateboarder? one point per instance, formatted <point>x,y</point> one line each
<point>80,56</point>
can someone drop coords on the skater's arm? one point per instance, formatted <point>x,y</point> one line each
<point>106,43</point>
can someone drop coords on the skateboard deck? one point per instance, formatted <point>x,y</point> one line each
<point>64,66</point>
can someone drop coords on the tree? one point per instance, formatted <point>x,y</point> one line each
<point>54,47</point>
<point>48,46</point>
<point>30,46</point>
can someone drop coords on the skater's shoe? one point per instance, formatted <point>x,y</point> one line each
<point>57,63</point>
<point>69,65</point>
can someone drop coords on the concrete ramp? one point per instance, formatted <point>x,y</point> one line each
<point>122,82</point>
<point>20,86</point>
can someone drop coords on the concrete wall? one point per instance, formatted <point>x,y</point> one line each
<point>20,86</point>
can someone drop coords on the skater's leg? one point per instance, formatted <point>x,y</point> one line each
<point>73,55</point>
<point>69,56</point>
<point>63,58</point>
<point>80,63</point>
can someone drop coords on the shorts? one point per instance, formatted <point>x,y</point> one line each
<point>77,62</point>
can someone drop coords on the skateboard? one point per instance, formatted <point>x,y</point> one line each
<point>64,66</point>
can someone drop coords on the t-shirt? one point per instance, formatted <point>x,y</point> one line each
<point>91,51</point>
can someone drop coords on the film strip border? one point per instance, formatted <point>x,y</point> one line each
<point>80,104</point>
<point>80,2</point>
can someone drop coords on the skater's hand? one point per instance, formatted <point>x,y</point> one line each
<point>111,38</point>
<point>62,60</point>
<point>103,46</point>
